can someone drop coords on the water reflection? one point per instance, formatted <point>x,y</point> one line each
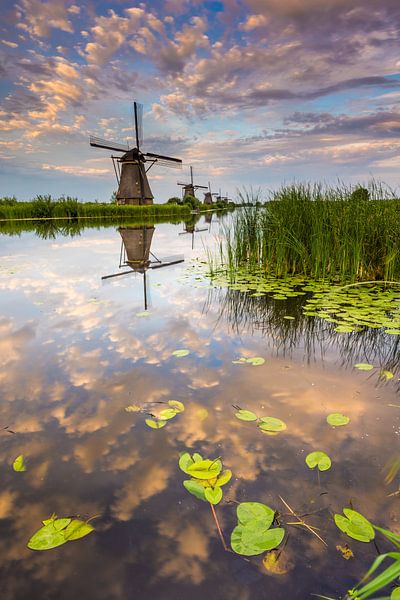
<point>136,254</point>
<point>74,355</point>
<point>314,337</point>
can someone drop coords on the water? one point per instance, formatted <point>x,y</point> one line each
<point>74,354</point>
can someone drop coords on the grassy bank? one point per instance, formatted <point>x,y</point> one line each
<point>45,207</point>
<point>334,233</point>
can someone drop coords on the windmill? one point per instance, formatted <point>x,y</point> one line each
<point>130,168</point>
<point>188,189</point>
<point>208,196</point>
<point>136,254</point>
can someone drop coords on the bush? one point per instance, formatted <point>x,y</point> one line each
<point>192,201</point>
<point>360,194</point>
<point>174,200</point>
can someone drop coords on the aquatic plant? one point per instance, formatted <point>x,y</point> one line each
<point>318,459</point>
<point>253,534</point>
<point>269,425</point>
<point>319,231</point>
<point>19,464</point>
<point>158,420</point>
<point>58,531</point>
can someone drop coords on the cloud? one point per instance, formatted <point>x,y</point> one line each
<point>37,17</point>
<point>76,170</point>
<point>9,44</point>
<point>253,22</point>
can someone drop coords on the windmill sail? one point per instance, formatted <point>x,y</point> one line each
<point>98,142</point>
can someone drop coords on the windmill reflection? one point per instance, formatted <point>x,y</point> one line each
<point>136,254</point>
<point>190,227</point>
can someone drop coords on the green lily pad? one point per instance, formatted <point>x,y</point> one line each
<point>133,408</point>
<point>155,424</point>
<point>196,489</point>
<point>167,413</point>
<point>46,538</point>
<point>185,461</point>
<point>318,459</point>
<point>213,494</point>
<point>77,529</point>
<point>395,595</point>
<point>250,512</point>
<point>176,405</point>
<point>180,353</point>
<point>19,464</point>
<point>205,469</point>
<point>364,366</point>
<point>143,313</point>
<point>255,361</point>
<point>337,419</point>
<point>386,375</point>
<point>245,415</point>
<point>224,477</point>
<point>250,540</point>
<point>355,525</point>
<point>272,424</point>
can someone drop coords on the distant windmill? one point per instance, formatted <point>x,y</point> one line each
<point>188,189</point>
<point>208,196</point>
<point>130,169</point>
<point>189,227</point>
<point>135,253</point>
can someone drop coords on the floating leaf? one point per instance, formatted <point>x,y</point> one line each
<point>224,477</point>
<point>364,366</point>
<point>355,525</point>
<point>289,317</point>
<point>346,552</point>
<point>46,538</point>
<point>185,461</point>
<point>255,361</point>
<point>166,414</point>
<point>143,313</point>
<point>337,419</point>
<point>249,512</point>
<point>133,408</point>
<point>245,415</point>
<point>386,375</point>
<point>272,424</point>
<point>19,464</point>
<point>250,540</point>
<point>155,424</point>
<point>197,457</point>
<point>195,488</point>
<point>181,352</point>
<point>77,529</point>
<point>213,495</point>
<point>395,595</point>
<point>345,329</point>
<point>176,405</point>
<point>205,469</point>
<point>320,459</point>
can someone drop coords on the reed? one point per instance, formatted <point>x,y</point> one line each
<point>337,233</point>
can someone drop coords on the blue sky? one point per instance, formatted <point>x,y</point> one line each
<point>248,92</point>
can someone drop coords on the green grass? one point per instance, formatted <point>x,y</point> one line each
<point>322,232</point>
<point>45,207</point>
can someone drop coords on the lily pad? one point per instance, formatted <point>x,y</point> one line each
<point>318,459</point>
<point>77,529</point>
<point>364,366</point>
<point>185,461</point>
<point>386,375</point>
<point>133,408</point>
<point>355,525</point>
<point>395,595</point>
<point>255,361</point>
<point>337,419</point>
<point>167,413</point>
<point>176,405</point>
<point>224,477</point>
<point>180,353</point>
<point>250,540</point>
<point>249,512</point>
<point>143,313</point>
<point>19,464</point>
<point>195,488</point>
<point>245,415</point>
<point>272,424</point>
<point>155,424</point>
<point>46,538</point>
<point>213,495</point>
<point>205,469</point>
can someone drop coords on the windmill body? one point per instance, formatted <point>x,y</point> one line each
<point>131,168</point>
<point>189,189</point>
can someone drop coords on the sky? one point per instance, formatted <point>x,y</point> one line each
<point>248,92</point>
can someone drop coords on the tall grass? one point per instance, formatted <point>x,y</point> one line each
<point>319,231</point>
<point>45,207</point>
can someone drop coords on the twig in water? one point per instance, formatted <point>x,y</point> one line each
<point>301,522</point>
